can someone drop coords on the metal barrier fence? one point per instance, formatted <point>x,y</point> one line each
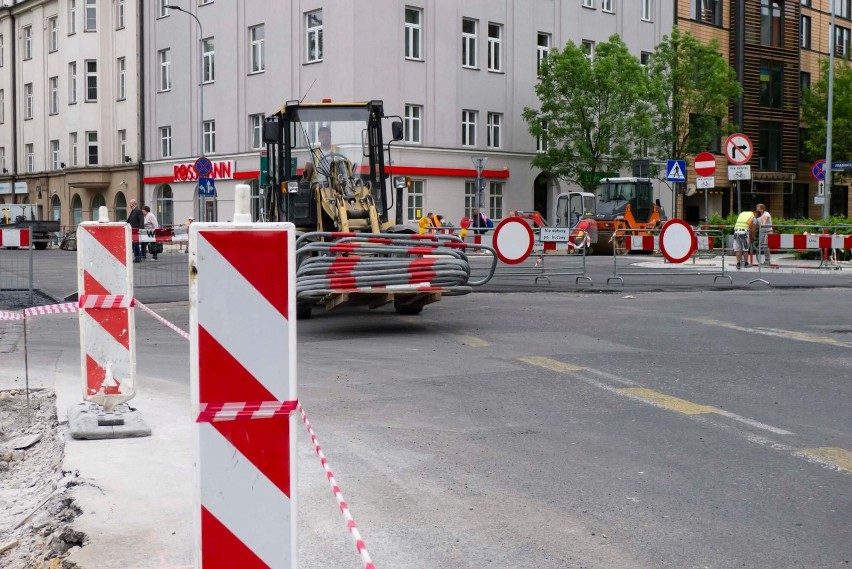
<point>547,259</point>
<point>16,268</point>
<point>826,240</point>
<point>711,242</point>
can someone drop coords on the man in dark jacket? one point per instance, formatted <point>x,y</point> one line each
<point>136,220</point>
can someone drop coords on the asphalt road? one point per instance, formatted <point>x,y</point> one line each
<point>683,429</point>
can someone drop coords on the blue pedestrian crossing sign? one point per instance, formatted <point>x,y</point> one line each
<point>676,171</point>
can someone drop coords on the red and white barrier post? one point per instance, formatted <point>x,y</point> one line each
<point>14,237</point>
<point>243,382</point>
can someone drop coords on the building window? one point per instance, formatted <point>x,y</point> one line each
<point>165,205</point>
<point>122,78</point>
<point>608,6</point>
<point>256,133</point>
<point>495,200</point>
<point>119,14</point>
<point>54,95</point>
<point>806,3</point>
<point>588,3</point>
<point>165,141</point>
<point>841,41</point>
<point>92,148</point>
<point>313,36</point>
<point>707,11</point>
<point>28,101</point>
<point>2,51</point>
<point>72,148</point>
<point>97,202</point>
<point>72,17</point>
<point>413,33</point>
<point>208,60</point>
<point>91,81</point>
<point>495,125</point>
<point>76,210</point>
<point>28,150</point>
<point>54,155</point>
<point>209,137</point>
<point>842,8</point>
<point>804,82</point>
<point>163,8</point>
<point>589,49</point>
<point>647,9</point>
<point>414,200</point>
<point>469,128</point>
<point>120,206</point>
<point>769,147</point>
<point>495,43</point>
<point>806,32</point>
<point>2,106</point>
<point>413,114</point>
<point>122,146</point>
<point>72,83</point>
<point>645,58</point>
<point>256,38</point>
<point>468,42</point>
<point>91,15</point>
<point>771,22</point>
<point>2,158</point>
<point>28,42</point>
<point>470,201</point>
<point>771,84</point>
<point>796,202</point>
<point>165,58</point>
<point>541,144</point>
<point>542,49</point>
<point>53,25</point>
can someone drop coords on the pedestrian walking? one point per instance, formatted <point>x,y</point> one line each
<point>764,228</point>
<point>136,220</point>
<point>479,221</point>
<point>743,237</point>
<point>151,224</point>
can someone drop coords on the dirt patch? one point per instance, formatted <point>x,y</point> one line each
<point>36,509</point>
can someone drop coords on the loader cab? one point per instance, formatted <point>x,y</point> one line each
<point>340,146</point>
<point>572,207</point>
<point>616,193</point>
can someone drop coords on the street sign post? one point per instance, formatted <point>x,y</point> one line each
<point>818,170</point>
<point>705,164</point>
<point>676,170</point>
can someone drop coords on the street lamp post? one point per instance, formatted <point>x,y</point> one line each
<point>479,164</point>
<point>200,76</point>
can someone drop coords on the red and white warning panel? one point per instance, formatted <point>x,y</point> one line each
<point>107,338</point>
<point>803,242</point>
<point>243,381</point>
<point>513,240</point>
<point>14,237</point>
<point>677,241</point>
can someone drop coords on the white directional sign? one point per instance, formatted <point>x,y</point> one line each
<point>738,149</point>
<point>676,171</point>
<point>739,172</point>
<point>706,183</point>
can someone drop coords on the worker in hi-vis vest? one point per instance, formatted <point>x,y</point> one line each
<point>743,236</point>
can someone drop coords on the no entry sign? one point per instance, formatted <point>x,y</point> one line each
<point>513,240</point>
<point>677,241</point>
<point>705,164</point>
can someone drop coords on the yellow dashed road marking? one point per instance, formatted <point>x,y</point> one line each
<point>838,457</point>
<point>473,341</point>
<point>776,332</point>
<point>667,401</point>
<point>550,364</point>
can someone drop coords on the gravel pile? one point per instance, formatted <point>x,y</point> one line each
<point>36,509</point>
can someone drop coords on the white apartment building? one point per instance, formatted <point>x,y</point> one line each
<point>459,73</point>
<point>69,106</point>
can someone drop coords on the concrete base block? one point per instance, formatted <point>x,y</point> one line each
<point>90,421</point>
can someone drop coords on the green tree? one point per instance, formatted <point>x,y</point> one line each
<point>691,86</point>
<point>815,113</point>
<point>593,112</point>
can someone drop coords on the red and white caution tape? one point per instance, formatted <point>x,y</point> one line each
<point>344,509</point>
<point>6,315</point>
<point>106,301</point>
<point>212,412</point>
<point>64,308</point>
<point>163,320</point>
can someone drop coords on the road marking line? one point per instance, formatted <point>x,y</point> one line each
<point>837,457</point>
<point>647,395</point>
<point>776,332</point>
<point>473,341</point>
<point>552,365</point>
<point>667,401</point>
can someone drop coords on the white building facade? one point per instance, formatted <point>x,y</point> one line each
<point>459,73</point>
<point>69,107</point>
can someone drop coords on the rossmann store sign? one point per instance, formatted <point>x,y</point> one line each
<point>222,170</point>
